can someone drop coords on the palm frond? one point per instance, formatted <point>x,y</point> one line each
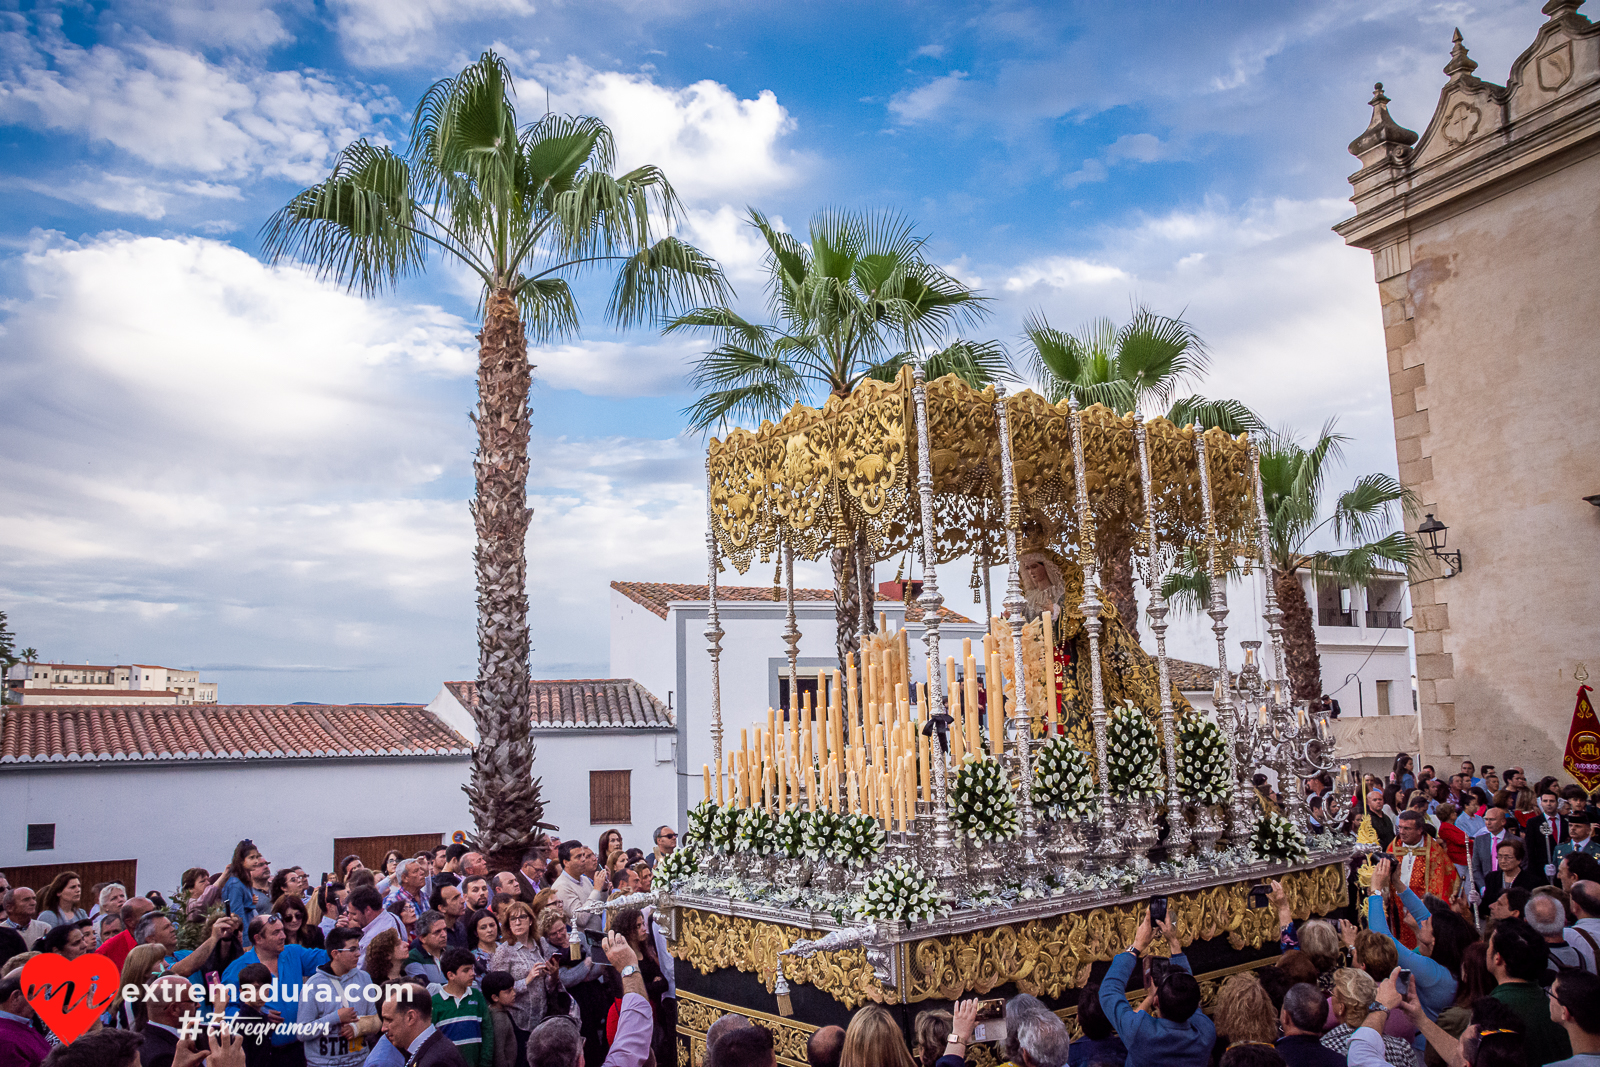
<point>1363,510</point>
<point>549,310</point>
<point>1156,353</point>
<point>1230,416</point>
<point>755,402</point>
<point>359,226</point>
<point>666,275</point>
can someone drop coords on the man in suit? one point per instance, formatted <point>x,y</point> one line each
<point>1486,846</point>
<point>1545,832</point>
<point>168,1000</point>
<point>407,1015</point>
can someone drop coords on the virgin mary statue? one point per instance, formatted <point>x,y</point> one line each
<point>1127,672</point>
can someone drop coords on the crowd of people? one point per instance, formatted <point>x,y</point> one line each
<point>429,960</point>
<point>433,960</point>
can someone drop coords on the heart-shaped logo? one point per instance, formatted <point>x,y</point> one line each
<point>69,995</point>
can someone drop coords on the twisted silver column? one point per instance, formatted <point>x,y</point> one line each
<point>713,631</point>
<point>1108,846</point>
<point>1018,726</point>
<point>1177,825</point>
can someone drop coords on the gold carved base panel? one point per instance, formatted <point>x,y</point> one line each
<point>1044,956</point>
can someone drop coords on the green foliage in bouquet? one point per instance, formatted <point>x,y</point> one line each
<point>1063,784</point>
<point>789,834</point>
<point>1275,838</point>
<point>725,830</point>
<point>757,834</point>
<point>1203,761</point>
<point>675,866</point>
<point>698,833</point>
<point>900,892</point>
<point>858,840</point>
<point>822,830</point>
<point>981,802</point>
<point>1133,749</point>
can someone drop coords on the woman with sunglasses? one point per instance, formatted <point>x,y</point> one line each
<point>297,927</point>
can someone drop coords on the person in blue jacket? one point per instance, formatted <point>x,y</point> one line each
<point>291,966</point>
<point>243,899</point>
<point>1180,1035</point>
<point>1434,962</point>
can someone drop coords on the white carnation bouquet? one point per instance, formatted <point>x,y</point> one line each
<point>858,840</point>
<point>982,804</point>
<point>900,892</point>
<point>756,834</point>
<point>1063,784</point>
<point>1133,750</point>
<point>1276,838</point>
<point>1203,762</point>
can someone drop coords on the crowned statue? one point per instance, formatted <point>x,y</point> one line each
<point>1127,672</point>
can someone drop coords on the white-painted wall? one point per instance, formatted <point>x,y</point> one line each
<point>563,758</point>
<point>1354,658</point>
<point>175,816</point>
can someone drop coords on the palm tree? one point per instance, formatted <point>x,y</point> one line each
<point>527,209</point>
<point>858,301</point>
<point>1293,481</point>
<point>1144,362</point>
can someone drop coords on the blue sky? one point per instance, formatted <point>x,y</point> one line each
<point>211,462</point>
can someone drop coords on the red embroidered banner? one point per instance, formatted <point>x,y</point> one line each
<point>1583,743</point>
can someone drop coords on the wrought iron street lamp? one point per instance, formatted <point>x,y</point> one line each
<point>1433,534</point>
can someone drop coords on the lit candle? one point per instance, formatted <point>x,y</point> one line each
<point>1262,717</point>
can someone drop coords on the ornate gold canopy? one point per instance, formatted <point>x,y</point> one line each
<point>816,478</point>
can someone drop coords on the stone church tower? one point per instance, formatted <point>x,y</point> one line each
<point>1485,239</point>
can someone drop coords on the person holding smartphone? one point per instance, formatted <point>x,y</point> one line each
<point>1181,1036</point>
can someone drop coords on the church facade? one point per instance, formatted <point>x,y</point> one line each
<point>1483,232</point>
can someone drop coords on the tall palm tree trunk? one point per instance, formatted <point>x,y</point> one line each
<point>1299,639</point>
<point>503,795</point>
<point>846,603</point>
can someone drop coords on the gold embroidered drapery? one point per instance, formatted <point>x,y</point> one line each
<point>818,476</point>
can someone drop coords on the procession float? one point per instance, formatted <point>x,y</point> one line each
<point>996,819</point>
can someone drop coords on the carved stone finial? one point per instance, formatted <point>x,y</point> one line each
<point>1382,130</point>
<point>1461,65</point>
<point>1560,9</point>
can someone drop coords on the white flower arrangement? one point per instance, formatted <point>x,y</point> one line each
<point>676,866</point>
<point>1133,751</point>
<point>1275,837</point>
<point>724,835</point>
<point>697,834</point>
<point>822,828</point>
<point>756,834</point>
<point>1203,762</point>
<point>858,840</point>
<point>900,892</point>
<point>1063,784</point>
<point>789,834</point>
<point>982,805</point>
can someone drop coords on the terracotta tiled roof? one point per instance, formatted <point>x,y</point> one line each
<point>103,733</point>
<point>657,595</point>
<point>1192,677</point>
<point>579,703</point>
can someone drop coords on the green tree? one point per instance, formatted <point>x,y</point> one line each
<point>1142,364</point>
<point>1294,484</point>
<point>527,209</point>
<point>857,300</point>
<point>8,658</point>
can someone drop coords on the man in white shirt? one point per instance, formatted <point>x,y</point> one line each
<point>573,886</point>
<point>20,905</point>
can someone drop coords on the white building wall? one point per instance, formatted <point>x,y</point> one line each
<point>753,657</point>
<point>1355,659</point>
<point>642,647</point>
<point>563,758</point>
<point>172,817</point>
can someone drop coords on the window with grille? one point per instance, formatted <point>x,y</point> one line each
<point>610,797</point>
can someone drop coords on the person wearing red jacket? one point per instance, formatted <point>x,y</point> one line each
<point>1452,837</point>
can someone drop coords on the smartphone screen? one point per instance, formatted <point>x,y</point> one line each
<point>597,952</point>
<point>1158,909</point>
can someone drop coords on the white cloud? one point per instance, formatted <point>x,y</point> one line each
<point>1063,272</point>
<point>710,143</point>
<point>928,101</point>
<point>1289,312</point>
<point>247,25</point>
<point>617,368</point>
<point>388,33</point>
<point>127,195</point>
<point>1139,147</point>
<point>1092,171</point>
<point>727,236</point>
<point>175,109</point>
